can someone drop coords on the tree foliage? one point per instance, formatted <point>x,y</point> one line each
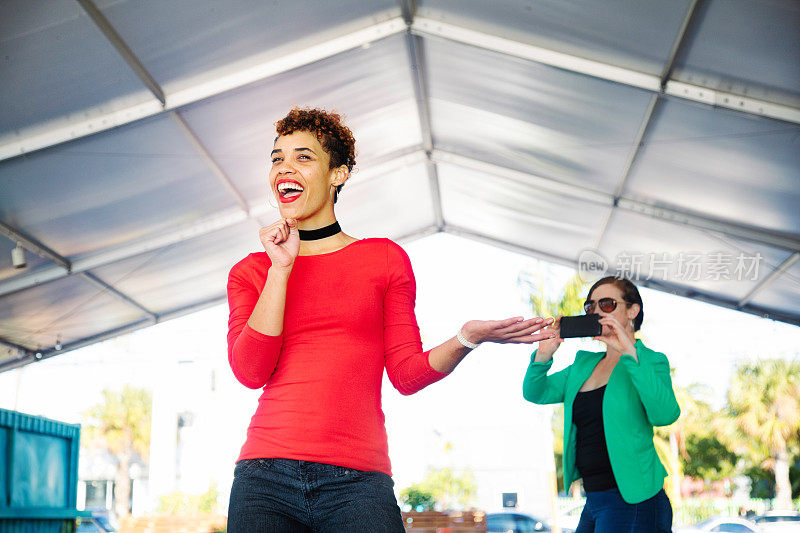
<point>567,301</point>
<point>763,419</point>
<point>546,302</point>
<point>764,405</point>
<point>689,446</point>
<point>121,423</point>
<point>447,488</point>
<point>418,498</point>
<point>708,458</point>
<point>179,503</point>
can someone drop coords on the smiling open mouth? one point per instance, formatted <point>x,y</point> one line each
<point>289,191</point>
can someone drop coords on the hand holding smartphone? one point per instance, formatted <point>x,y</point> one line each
<point>580,326</point>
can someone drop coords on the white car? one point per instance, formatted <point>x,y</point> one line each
<point>778,521</point>
<point>729,524</point>
<point>569,517</point>
<point>514,522</point>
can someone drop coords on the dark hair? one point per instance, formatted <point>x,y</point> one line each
<point>629,293</point>
<point>332,134</point>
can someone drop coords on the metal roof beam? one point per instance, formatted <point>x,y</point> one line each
<point>32,245</point>
<point>713,299</point>
<point>672,288</point>
<point>634,153</point>
<point>712,225</point>
<point>419,83</point>
<point>33,356</point>
<point>605,71</point>
<point>130,58</point>
<point>99,119</point>
<point>408,10</point>
<point>671,215</point>
<point>122,47</point>
<point>688,25</point>
<point>205,155</point>
<point>14,346</point>
<point>775,274</point>
<point>124,251</point>
<point>29,356</point>
<point>669,65</point>
<point>264,66</point>
<point>204,226</point>
<point>548,184</point>
<point>459,231</point>
<point>502,45</point>
<point>64,266</point>
<point>418,234</point>
<point>105,287</point>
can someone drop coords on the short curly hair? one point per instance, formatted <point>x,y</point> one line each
<point>336,138</point>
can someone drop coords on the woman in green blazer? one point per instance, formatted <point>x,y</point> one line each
<point>611,400</point>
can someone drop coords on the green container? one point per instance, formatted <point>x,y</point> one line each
<point>38,474</point>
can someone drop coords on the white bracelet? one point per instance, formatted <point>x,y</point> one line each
<point>465,342</point>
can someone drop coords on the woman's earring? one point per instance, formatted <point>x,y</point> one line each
<point>271,200</point>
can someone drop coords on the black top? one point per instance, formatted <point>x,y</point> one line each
<point>591,452</point>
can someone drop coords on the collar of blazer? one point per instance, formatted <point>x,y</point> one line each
<point>585,362</point>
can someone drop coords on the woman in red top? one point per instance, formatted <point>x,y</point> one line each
<point>314,320</point>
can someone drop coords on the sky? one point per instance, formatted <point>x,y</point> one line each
<point>470,416</point>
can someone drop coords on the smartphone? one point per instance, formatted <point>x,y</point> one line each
<point>580,326</point>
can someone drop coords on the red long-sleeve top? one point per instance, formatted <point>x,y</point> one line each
<point>349,314</point>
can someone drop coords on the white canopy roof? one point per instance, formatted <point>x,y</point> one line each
<point>134,139</point>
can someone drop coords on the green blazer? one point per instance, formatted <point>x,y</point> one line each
<point>638,396</point>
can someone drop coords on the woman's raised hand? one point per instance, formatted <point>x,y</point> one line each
<point>281,241</point>
<point>511,330</point>
<point>615,337</point>
<point>549,346</point>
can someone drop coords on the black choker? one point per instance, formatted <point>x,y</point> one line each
<point>321,233</point>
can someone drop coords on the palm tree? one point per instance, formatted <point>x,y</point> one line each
<point>670,441</point>
<point>763,418</point>
<point>691,444</point>
<point>450,489</point>
<point>121,422</point>
<point>569,301</point>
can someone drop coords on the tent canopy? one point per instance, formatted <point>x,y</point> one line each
<point>660,137</point>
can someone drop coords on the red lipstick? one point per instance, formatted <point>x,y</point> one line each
<point>289,194</point>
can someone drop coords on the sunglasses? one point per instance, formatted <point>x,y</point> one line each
<point>606,305</point>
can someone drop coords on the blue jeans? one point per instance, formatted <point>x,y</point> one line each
<point>606,512</point>
<point>289,496</point>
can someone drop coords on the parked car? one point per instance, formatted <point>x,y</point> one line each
<point>89,525</point>
<point>778,521</point>
<point>730,524</point>
<point>101,521</point>
<point>513,522</point>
